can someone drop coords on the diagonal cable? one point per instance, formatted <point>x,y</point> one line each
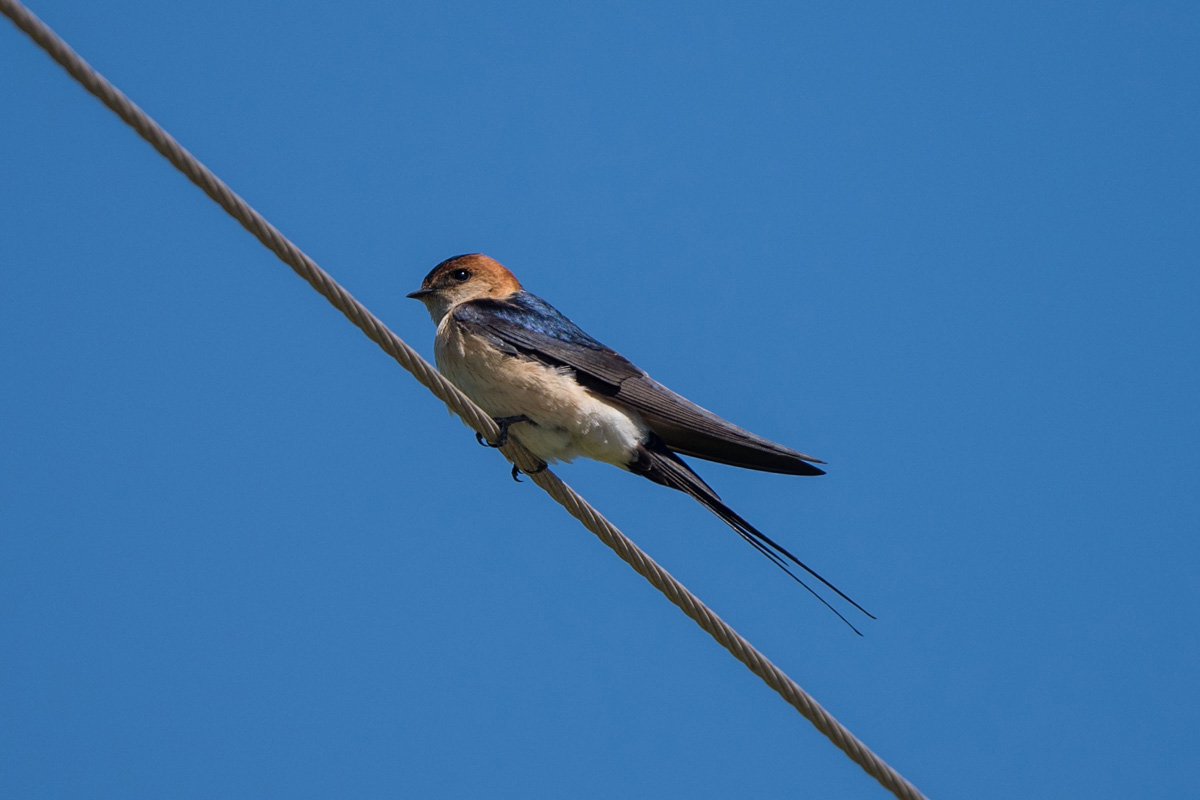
<point>408,358</point>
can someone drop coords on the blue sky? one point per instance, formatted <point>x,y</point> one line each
<point>950,249</point>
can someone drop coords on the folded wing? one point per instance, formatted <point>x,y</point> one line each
<point>526,325</point>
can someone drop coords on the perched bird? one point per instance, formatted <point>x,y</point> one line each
<point>565,395</point>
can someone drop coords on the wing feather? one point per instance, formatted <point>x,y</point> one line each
<point>526,325</point>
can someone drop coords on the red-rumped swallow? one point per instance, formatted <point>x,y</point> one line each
<point>566,395</point>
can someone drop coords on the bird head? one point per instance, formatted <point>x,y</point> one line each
<point>461,279</point>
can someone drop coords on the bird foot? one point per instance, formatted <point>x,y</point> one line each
<point>516,471</point>
<point>503,423</point>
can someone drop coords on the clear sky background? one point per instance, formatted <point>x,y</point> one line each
<point>950,248</point>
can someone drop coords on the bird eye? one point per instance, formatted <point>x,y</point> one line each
<point>460,275</point>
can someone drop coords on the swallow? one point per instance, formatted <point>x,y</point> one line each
<point>564,395</point>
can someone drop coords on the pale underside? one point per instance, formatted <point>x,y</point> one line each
<point>571,420</point>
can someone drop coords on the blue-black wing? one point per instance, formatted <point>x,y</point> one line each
<point>527,326</point>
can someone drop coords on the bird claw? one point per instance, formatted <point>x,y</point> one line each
<point>504,423</point>
<point>516,471</point>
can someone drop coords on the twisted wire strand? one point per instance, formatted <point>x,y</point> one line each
<point>459,403</point>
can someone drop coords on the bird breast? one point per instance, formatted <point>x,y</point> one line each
<point>571,420</point>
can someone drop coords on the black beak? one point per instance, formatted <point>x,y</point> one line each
<point>419,294</point>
